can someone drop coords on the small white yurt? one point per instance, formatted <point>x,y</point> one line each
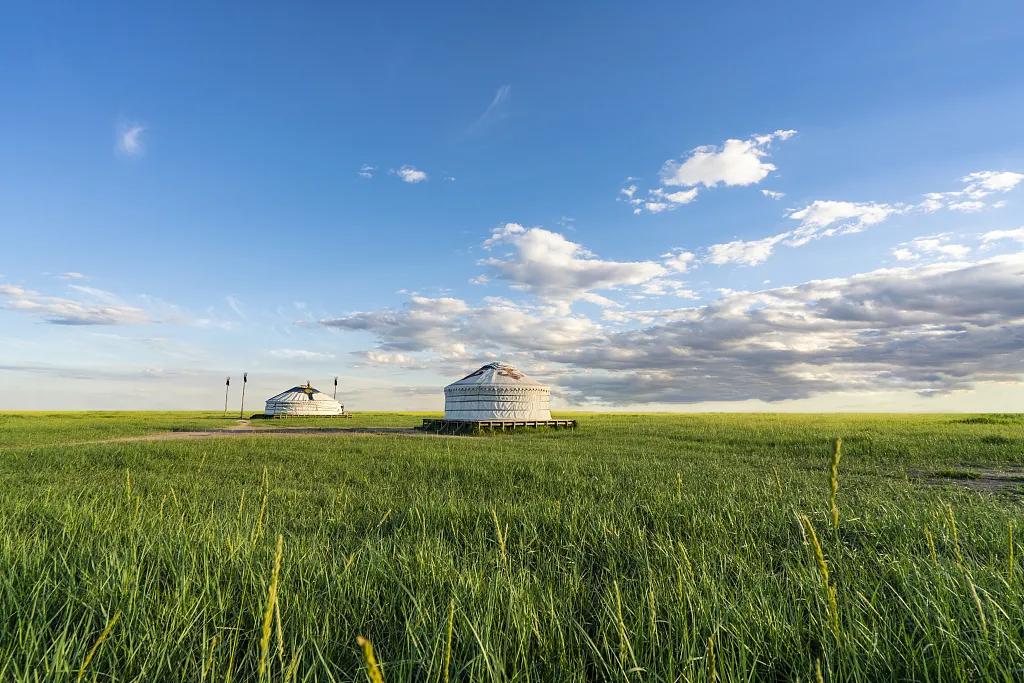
<point>497,392</point>
<point>302,400</point>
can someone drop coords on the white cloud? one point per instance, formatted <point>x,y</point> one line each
<point>772,194</point>
<point>734,163</point>
<point>129,140</point>
<point>366,171</point>
<point>557,270</point>
<point>73,276</point>
<point>743,252</point>
<point>679,260</point>
<point>935,328</point>
<point>827,218</point>
<point>102,309</point>
<point>931,329</point>
<point>1016,234</point>
<point>409,174</point>
<point>495,111</point>
<point>933,246</point>
<point>978,186</point>
<point>448,327</point>
<point>300,354</point>
<point>385,358</point>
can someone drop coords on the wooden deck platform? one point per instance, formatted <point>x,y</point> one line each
<point>441,426</point>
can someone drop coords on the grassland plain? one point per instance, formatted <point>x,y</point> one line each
<point>639,547</point>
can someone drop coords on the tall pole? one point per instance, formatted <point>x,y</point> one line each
<point>245,380</point>
<point>335,388</point>
<point>227,385</point>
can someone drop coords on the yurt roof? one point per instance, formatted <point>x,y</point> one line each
<point>496,374</point>
<point>301,393</point>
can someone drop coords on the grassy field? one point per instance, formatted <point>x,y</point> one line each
<point>640,548</point>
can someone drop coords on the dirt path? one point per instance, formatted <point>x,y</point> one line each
<point>244,430</point>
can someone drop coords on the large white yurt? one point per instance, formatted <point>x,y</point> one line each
<point>497,392</point>
<point>302,400</point>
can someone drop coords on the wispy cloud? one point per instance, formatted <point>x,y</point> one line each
<point>129,139</point>
<point>931,246</point>
<point>496,111</point>
<point>235,305</point>
<point>411,174</point>
<point>830,218</point>
<point>301,354</point>
<point>98,308</point>
<point>366,171</point>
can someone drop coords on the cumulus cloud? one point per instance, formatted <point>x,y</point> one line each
<point>772,194</point>
<point>830,218</point>
<point>1016,234</point>
<point>679,260</point>
<point>97,308</point>
<point>931,246</point>
<point>974,196</point>
<point>300,354</point>
<point>827,218</point>
<point>557,270</point>
<point>733,163</point>
<point>743,252</point>
<point>820,218</point>
<point>446,327</point>
<point>129,139</point>
<point>412,175</point>
<point>932,328</point>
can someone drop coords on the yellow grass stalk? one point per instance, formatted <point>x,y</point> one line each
<point>96,646</point>
<point>826,581</point>
<point>372,668</point>
<point>268,610</point>
<point>931,545</point>
<point>208,664</point>
<point>778,480</point>
<point>280,632</point>
<point>817,671</point>
<point>837,454</point>
<point>710,660</point>
<point>977,604</point>
<point>625,647</point>
<point>128,483</point>
<point>448,644</point>
<point>293,667</point>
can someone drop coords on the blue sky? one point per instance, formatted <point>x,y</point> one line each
<point>675,206</point>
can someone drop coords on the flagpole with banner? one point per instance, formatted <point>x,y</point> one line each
<point>245,380</point>
<point>335,388</point>
<point>227,386</point>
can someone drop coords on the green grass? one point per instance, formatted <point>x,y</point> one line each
<point>616,552</point>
